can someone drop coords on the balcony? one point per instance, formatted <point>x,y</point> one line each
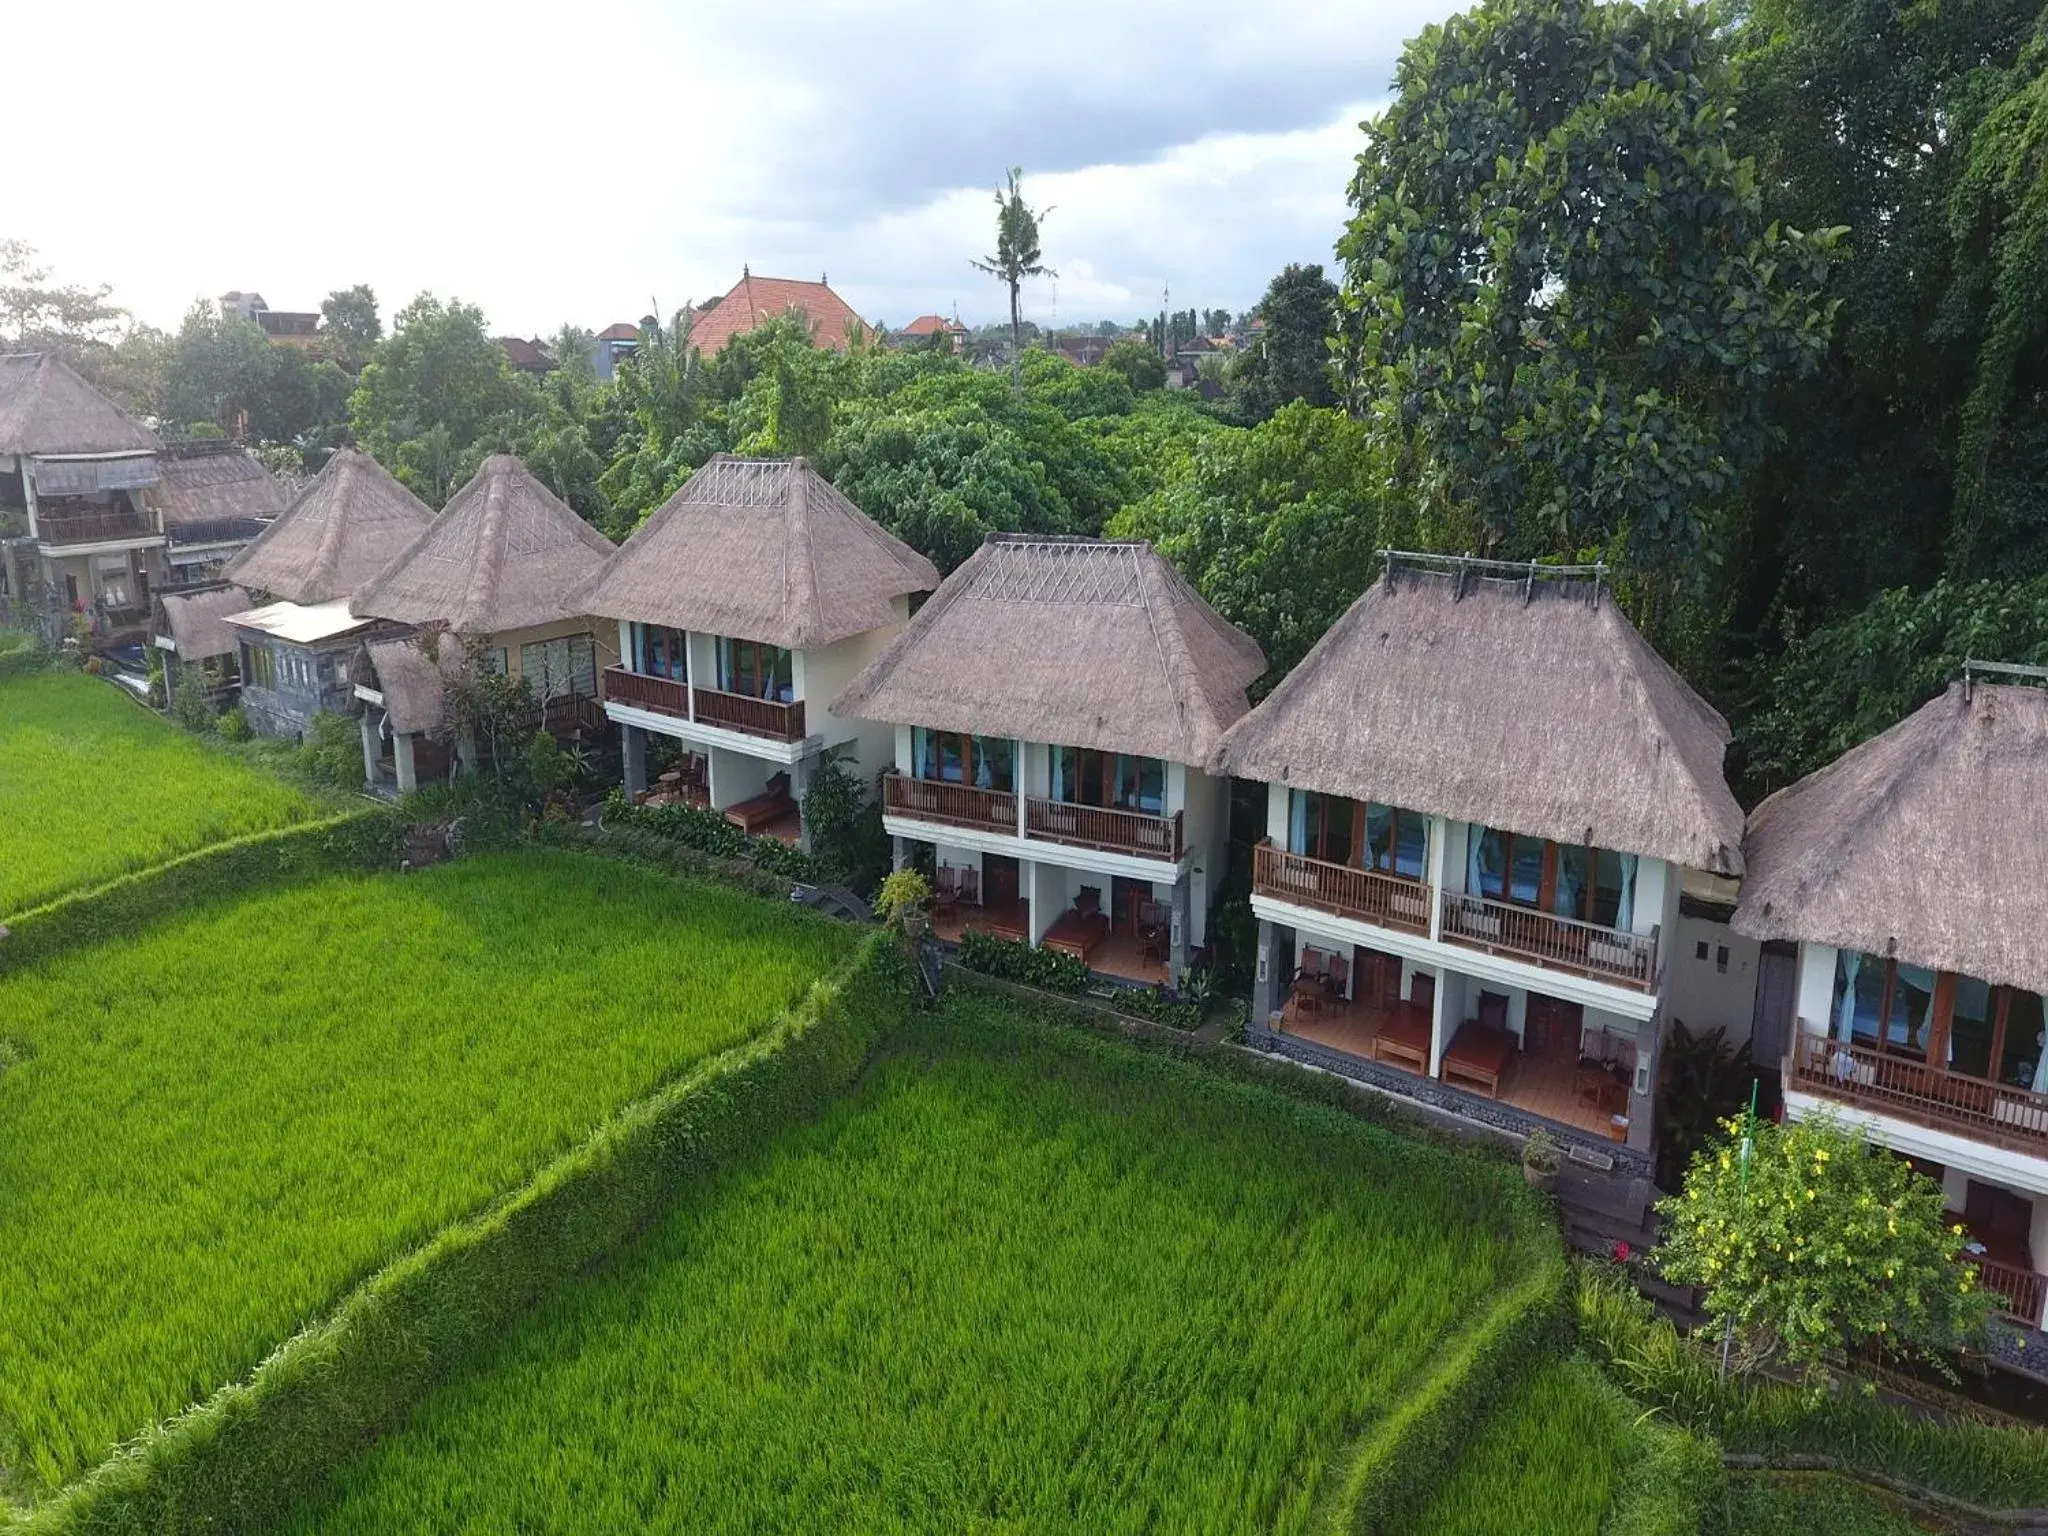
<point>92,527</point>
<point>1560,943</point>
<point>750,716</point>
<point>1102,827</point>
<point>1871,1079</point>
<point>956,805</point>
<point>1370,896</point>
<point>2020,1292</point>
<point>646,691</point>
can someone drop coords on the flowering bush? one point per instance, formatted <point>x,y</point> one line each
<point>1827,1244</point>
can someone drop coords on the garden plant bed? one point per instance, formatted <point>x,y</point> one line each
<point>93,786</point>
<point>1022,1277</point>
<point>221,1122</point>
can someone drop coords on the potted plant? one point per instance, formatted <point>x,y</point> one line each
<point>902,904</point>
<point>1542,1157</point>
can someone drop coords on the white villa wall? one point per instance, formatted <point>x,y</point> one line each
<point>821,675</point>
<point>1705,994</point>
<point>736,776</point>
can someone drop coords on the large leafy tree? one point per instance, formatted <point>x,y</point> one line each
<point>1564,300</point>
<point>218,369</point>
<point>437,395</point>
<point>1017,257</point>
<point>349,318</point>
<point>1277,525</point>
<point>1290,358</point>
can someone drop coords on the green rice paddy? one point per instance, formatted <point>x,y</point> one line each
<point>215,1127</point>
<point>1807,1506</point>
<point>92,786</point>
<point>1021,1279</point>
<point>1558,1445</point>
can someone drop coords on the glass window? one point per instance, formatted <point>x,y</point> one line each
<point>994,763</point>
<point>2020,1058</point>
<point>1140,784</point>
<point>1607,879</point>
<point>1411,844</point>
<point>664,652</point>
<point>1321,826</point>
<point>1525,872</point>
<point>755,670</point>
<point>1970,1028</point>
<point>1492,861</point>
<point>952,765</point>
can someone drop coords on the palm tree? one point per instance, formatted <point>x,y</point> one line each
<point>1017,257</point>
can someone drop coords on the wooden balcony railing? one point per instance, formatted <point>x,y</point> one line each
<point>756,717</point>
<point>1095,826</point>
<point>1371,896</point>
<point>2020,1291</point>
<point>1912,1090</point>
<point>1563,943</point>
<point>92,527</point>
<point>644,690</point>
<point>958,805</point>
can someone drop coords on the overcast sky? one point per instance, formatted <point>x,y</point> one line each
<point>580,160</point>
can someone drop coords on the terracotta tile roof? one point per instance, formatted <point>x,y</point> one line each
<point>757,300</point>
<point>932,325</point>
<point>623,331</point>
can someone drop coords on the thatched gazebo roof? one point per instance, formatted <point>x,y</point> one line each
<point>351,521</point>
<point>1079,642</point>
<point>759,549</point>
<point>1529,704</point>
<point>414,684</point>
<point>503,555</point>
<point>196,622</point>
<point>47,409</point>
<point>1927,843</point>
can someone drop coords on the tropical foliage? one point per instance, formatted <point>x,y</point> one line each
<point>228,1117</point>
<point>92,786</point>
<point>1811,1242</point>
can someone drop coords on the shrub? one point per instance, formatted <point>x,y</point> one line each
<point>1807,1239</point>
<point>844,823</point>
<point>709,832</point>
<point>905,891</point>
<point>1014,960</point>
<point>1987,1463</point>
<point>332,752</point>
<point>233,725</point>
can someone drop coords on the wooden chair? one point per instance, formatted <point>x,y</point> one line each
<point>967,886</point>
<point>1422,993</point>
<point>946,892</point>
<point>1337,978</point>
<point>1153,923</point>
<point>1309,981</point>
<point>1493,1010</point>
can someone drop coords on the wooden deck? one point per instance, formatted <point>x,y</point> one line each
<point>1118,954</point>
<point>1534,1084</point>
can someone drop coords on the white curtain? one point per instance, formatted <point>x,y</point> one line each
<point>2040,1082</point>
<point>1059,772</point>
<point>1845,1016</point>
<point>1473,834</point>
<point>981,773</point>
<point>1625,910</point>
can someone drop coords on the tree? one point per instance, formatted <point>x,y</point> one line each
<point>1564,301</point>
<point>1017,257</point>
<point>349,319</point>
<point>573,349</point>
<point>218,369</point>
<point>1817,1244</point>
<point>1278,526</point>
<point>437,395</point>
<point>1215,321</point>
<point>37,312</point>
<point>1145,368</point>
<point>1291,359</point>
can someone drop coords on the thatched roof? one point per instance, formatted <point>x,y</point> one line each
<point>46,408</point>
<point>759,549</point>
<point>1531,705</point>
<point>1928,842</point>
<point>1078,642</point>
<point>346,526</point>
<point>210,488</point>
<point>196,622</point>
<point>412,683</point>
<point>502,555</point>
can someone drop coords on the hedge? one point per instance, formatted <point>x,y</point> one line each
<point>710,833</point>
<point>362,839</point>
<point>237,1461</point>
<point>1393,1471</point>
<point>1999,1465</point>
<point>637,844</point>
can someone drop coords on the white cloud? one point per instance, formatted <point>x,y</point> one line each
<point>578,162</point>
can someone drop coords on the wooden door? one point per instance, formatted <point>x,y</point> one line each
<point>1124,896</point>
<point>1777,998</point>
<point>998,880</point>
<point>1553,1028</point>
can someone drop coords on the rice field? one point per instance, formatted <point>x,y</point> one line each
<point>215,1127</point>
<point>1808,1506</point>
<point>1559,1445</point>
<point>1021,1279</point>
<point>92,786</point>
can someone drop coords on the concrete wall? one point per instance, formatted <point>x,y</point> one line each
<point>821,675</point>
<point>736,776</point>
<point>1714,989</point>
<point>1816,988</point>
<point>287,709</point>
